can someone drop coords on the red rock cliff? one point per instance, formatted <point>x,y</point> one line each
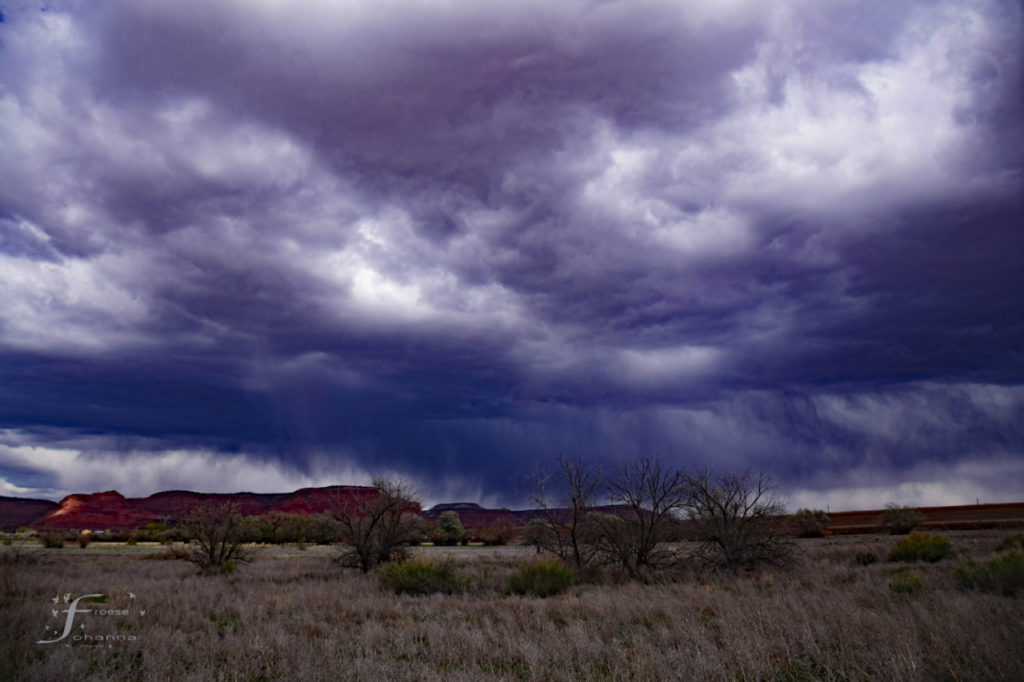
<point>111,510</point>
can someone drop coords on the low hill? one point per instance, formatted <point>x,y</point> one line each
<point>16,512</point>
<point>112,510</point>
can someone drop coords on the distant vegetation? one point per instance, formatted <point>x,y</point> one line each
<point>215,535</point>
<point>901,520</point>
<point>734,519</point>
<point>449,530</point>
<point>810,523</point>
<point>379,529</point>
<point>52,538</point>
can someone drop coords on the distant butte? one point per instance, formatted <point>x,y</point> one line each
<point>111,510</point>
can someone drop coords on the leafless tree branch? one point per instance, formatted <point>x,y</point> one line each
<point>215,533</point>
<point>377,529</point>
<point>737,520</point>
<point>565,500</point>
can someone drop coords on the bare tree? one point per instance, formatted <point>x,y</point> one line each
<point>565,500</point>
<point>652,494</point>
<point>215,533</point>
<point>377,529</point>
<point>737,520</point>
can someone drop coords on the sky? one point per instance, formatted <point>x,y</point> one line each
<point>265,244</point>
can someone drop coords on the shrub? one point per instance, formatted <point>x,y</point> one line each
<point>901,520</point>
<point>158,556</point>
<point>921,547</point>
<point>904,582</point>
<point>810,523</point>
<point>1015,542</point>
<point>377,529</point>
<point>84,538</point>
<point>737,520</point>
<point>1004,573</point>
<point>866,558</point>
<point>494,535</point>
<point>323,530</point>
<point>215,534</point>
<point>653,495</point>
<point>540,579</point>
<point>414,576</point>
<point>53,539</point>
<point>154,531</point>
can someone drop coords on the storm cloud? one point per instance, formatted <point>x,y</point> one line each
<point>266,244</point>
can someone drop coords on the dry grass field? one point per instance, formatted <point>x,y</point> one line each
<point>291,615</point>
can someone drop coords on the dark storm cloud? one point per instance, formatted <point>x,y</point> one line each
<point>452,241</point>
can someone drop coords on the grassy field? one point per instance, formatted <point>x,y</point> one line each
<point>290,614</point>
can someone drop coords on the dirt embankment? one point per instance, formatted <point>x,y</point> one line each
<point>962,517</point>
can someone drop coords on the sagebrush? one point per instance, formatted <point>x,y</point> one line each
<point>415,576</point>
<point>541,579</point>
<point>1003,574</point>
<point>921,547</point>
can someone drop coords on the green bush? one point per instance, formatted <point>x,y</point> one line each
<point>450,529</point>
<point>154,531</point>
<point>1003,573</point>
<point>866,558</point>
<point>904,582</point>
<point>541,579</point>
<point>921,547</point>
<point>414,576</point>
<point>810,523</point>
<point>323,530</point>
<point>901,520</point>
<point>1015,542</point>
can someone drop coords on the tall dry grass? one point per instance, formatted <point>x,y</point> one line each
<point>294,616</point>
